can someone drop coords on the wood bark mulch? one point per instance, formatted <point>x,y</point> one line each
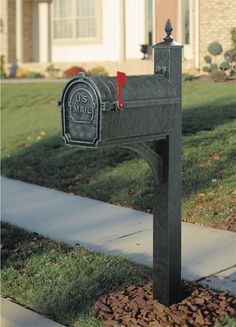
<point>134,307</point>
<point>230,222</point>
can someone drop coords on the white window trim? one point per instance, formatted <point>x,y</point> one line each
<point>188,48</point>
<point>146,36</point>
<point>81,40</point>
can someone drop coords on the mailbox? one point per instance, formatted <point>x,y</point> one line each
<point>91,116</point>
<point>94,115</point>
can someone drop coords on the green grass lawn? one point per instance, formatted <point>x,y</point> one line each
<point>59,281</point>
<point>33,151</point>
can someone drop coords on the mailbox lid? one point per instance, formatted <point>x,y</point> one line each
<point>139,91</point>
<point>144,90</point>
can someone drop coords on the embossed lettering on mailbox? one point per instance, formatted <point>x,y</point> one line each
<point>82,106</point>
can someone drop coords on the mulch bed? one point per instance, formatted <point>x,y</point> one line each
<point>230,222</point>
<point>133,306</point>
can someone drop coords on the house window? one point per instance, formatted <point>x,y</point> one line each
<point>76,20</point>
<point>86,18</point>
<point>63,28</point>
<point>187,29</point>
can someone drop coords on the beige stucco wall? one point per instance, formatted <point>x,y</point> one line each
<point>217,18</point>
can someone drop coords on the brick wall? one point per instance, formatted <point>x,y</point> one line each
<point>8,34</point>
<point>217,18</point>
<point>27,28</point>
<point>11,31</point>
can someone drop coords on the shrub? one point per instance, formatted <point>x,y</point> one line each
<point>207,59</point>
<point>229,56</point>
<point>35,75</point>
<point>227,67</point>
<point>73,71</point>
<point>213,67</point>
<point>217,75</point>
<point>2,67</point>
<point>224,65</point>
<point>233,38</point>
<point>187,77</point>
<point>98,71</point>
<point>215,48</point>
<point>22,73</point>
<point>206,69</point>
<point>52,71</point>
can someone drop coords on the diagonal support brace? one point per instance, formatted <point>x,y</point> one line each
<point>153,159</point>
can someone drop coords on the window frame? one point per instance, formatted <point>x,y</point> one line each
<point>188,48</point>
<point>74,40</point>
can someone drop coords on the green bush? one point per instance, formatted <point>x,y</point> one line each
<point>207,59</point>
<point>206,69</point>
<point>224,65</point>
<point>187,77</point>
<point>2,68</point>
<point>229,56</point>
<point>35,75</point>
<point>98,71</point>
<point>213,67</point>
<point>217,75</point>
<point>233,38</point>
<point>215,48</point>
<point>227,67</point>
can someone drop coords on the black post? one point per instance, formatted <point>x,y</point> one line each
<point>167,194</point>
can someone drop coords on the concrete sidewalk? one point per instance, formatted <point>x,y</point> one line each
<point>14,315</point>
<point>207,254</point>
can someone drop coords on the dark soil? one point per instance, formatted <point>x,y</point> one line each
<point>133,306</point>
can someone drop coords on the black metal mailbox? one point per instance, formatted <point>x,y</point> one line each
<point>91,116</point>
<point>151,111</point>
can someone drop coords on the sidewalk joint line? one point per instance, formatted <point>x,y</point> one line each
<point>126,235</point>
<point>222,270</point>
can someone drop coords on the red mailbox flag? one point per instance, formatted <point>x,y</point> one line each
<point>121,79</point>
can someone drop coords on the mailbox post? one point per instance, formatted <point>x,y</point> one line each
<point>151,111</point>
<point>167,195</point>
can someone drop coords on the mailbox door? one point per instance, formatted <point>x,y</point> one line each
<point>80,113</point>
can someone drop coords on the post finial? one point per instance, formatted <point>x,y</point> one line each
<point>168,29</point>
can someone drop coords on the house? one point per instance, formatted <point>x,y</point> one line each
<point>35,33</point>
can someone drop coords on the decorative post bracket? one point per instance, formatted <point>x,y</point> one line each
<point>153,158</point>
